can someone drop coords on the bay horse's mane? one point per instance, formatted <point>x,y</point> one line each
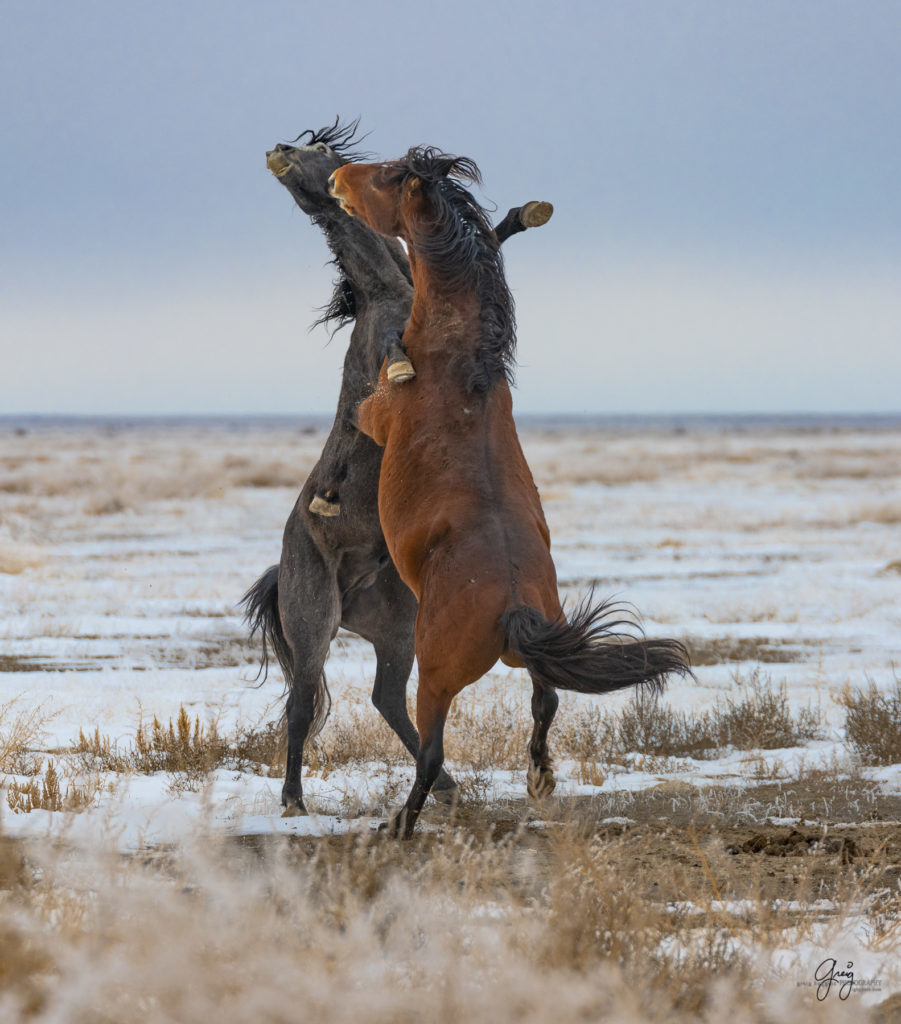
<point>462,248</point>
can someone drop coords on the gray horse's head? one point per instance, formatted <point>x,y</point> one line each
<point>304,165</point>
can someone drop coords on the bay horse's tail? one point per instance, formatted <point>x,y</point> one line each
<point>590,653</point>
<point>260,605</point>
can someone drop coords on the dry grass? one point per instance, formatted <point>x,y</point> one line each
<point>757,718</point>
<point>22,728</point>
<point>567,923</point>
<point>190,750</point>
<point>47,794</point>
<point>873,724</point>
<point>482,736</point>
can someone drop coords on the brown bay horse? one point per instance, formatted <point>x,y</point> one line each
<point>458,506</point>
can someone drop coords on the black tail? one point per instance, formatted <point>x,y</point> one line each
<point>590,653</point>
<point>261,614</point>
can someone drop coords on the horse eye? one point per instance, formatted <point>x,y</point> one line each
<point>322,148</point>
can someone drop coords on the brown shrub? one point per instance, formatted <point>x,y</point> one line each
<point>873,724</point>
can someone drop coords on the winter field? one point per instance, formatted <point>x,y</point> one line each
<point>712,854</point>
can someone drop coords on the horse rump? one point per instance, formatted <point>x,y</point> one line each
<point>592,652</point>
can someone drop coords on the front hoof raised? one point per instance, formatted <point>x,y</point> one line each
<point>536,213</point>
<point>400,371</point>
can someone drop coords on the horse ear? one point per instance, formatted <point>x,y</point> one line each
<point>413,185</point>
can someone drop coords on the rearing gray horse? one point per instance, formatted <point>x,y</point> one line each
<point>335,570</point>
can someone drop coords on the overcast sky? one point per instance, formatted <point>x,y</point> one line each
<point>726,178</point>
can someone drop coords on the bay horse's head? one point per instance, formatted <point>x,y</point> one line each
<point>303,167</point>
<point>393,198</point>
<point>420,198</point>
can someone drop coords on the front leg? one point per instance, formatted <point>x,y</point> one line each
<point>399,369</point>
<point>531,215</point>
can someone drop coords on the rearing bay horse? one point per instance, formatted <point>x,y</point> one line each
<point>458,506</point>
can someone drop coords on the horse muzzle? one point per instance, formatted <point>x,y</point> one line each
<point>335,193</point>
<point>278,163</point>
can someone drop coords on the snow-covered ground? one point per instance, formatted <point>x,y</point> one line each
<point>125,548</point>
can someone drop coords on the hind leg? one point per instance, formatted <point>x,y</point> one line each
<point>541,781</point>
<point>307,705</point>
<point>310,610</point>
<point>385,614</point>
<point>431,714</point>
<point>446,666</point>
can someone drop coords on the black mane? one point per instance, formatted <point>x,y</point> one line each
<point>340,138</point>
<point>463,249</point>
<point>341,308</point>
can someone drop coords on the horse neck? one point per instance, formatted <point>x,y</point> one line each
<point>444,318</point>
<point>373,264</point>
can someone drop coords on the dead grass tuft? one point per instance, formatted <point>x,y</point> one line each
<point>758,718</point>
<point>483,736</point>
<point>193,750</point>
<point>873,724</point>
<point>21,731</point>
<point>356,739</point>
<point>180,749</point>
<point>47,794</point>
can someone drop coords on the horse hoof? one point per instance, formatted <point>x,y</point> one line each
<point>321,507</point>
<point>541,784</point>
<point>536,213</point>
<point>398,825</point>
<point>294,811</point>
<point>448,796</point>
<point>401,371</point>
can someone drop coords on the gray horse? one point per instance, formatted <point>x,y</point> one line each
<point>335,569</point>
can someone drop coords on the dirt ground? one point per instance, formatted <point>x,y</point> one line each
<point>684,843</point>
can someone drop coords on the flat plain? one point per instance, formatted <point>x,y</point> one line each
<point>711,850</point>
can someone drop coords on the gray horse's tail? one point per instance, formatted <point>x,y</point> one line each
<point>260,605</point>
